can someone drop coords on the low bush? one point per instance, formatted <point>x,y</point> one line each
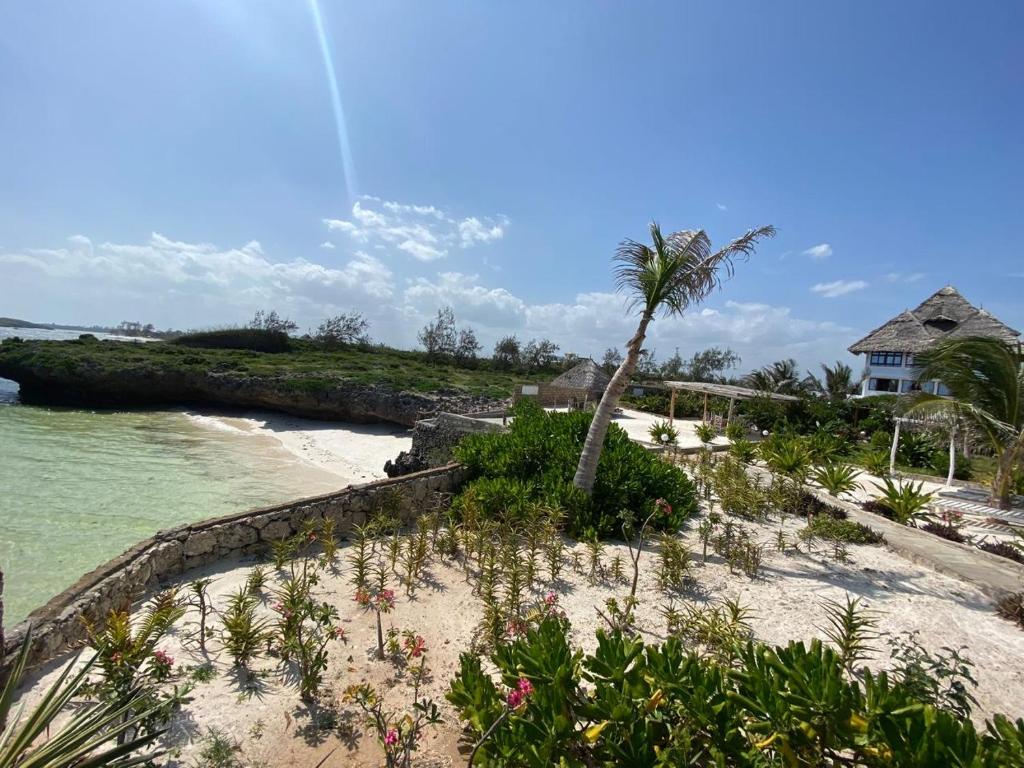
<point>907,502</point>
<point>663,705</point>
<point>253,339</point>
<point>538,458</point>
<point>1003,549</point>
<point>743,449</point>
<point>663,433</point>
<point>944,531</point>
<point>962,470</point>
<point>1012,607</point>
<point>846,531</point>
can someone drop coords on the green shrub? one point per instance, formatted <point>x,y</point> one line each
<point>788,455</point>
<point>540,453</point>
<point>876,462</point>
<point>735,430</point>
<point>744,450</point>
<point>632,704</point>
<point>915,449</point>
<point>940,465</point>
<point>907,502</point>
<point>846,531</point>
<point>663,433</point>
<point>254,339</point>
<point>705,432</point>
<point>836,478</point>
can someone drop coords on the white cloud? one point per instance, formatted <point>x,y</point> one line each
<point>819,251</point>
<point>838,288</point>
<point>903,277</point>
<point>473,231</point>
<point>187,285</point>
<point>327,245</point>
<point>423,231</point>
<point>721,207</point>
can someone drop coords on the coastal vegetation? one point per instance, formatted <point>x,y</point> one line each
<point>303,366</point>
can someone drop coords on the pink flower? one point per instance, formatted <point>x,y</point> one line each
<point>386,600</point>
<point>518,695</point>
<point>338,633</point>
<point>515,627</point>
<point>415,646</point>
<point>663,506</point>
<point>550,599</point>
<point>163,658</point>
<point>362,597</point>
<point>391,737</point>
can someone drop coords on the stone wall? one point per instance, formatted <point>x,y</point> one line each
<point>120,582</point>
<point>433,441</point>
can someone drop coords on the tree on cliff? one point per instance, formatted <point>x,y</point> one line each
<point>439,336</point>
<point>507,353</point>
<point>670,275</point>
<point>342,330</point>
<point>271,321</point>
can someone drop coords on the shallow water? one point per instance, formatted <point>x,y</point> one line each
<point>78,487</point>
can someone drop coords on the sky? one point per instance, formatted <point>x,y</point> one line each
<point>188,163</point>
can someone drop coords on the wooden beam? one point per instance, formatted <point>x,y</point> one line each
<point>672,407</point>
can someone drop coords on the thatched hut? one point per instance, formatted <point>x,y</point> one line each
<point>585,377</point>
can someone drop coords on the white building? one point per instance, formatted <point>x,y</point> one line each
<point>889,350</point>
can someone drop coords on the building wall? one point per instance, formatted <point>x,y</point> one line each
<point>902,373</point>
<point>119,583</point>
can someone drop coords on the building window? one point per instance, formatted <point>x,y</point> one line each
<point>910,385</point>
<point>943,390</point>
<point>889,359</point>
<point>884,385</point>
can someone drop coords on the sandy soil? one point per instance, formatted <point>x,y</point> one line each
<point>265,716</point>
<point>355,453</point>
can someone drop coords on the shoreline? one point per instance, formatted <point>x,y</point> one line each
<point>354,453</point>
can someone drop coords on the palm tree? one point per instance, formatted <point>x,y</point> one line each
<point>986,379</point>
<point>838,383</point>
<point>671,274</point>
<point>780,377</point>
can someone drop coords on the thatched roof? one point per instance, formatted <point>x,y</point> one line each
<point>945,314</point>
<point>586,375</point>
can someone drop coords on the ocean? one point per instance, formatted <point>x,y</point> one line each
<point>78,487</point>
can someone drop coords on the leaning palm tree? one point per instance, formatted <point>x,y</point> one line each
<point>780,377</point>
<point>670,275</point>
<point>838,383</point>
<point>986,379</point>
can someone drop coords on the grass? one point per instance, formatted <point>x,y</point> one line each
<point>313,368</point>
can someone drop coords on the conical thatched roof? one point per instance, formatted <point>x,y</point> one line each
<point>586,375</point>
<point>944,314</point>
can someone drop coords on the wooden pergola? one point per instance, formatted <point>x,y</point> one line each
<point>935,422</point>
<point>729,391</point>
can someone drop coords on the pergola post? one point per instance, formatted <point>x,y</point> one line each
<point>892,451</point>
<point>952,458</point>
<point>705,407</point>
<point>728,419</point>
<point>672,407</point>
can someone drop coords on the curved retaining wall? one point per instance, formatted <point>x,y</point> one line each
<point>57,626</point>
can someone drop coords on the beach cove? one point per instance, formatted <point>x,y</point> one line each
<point>78,487</point>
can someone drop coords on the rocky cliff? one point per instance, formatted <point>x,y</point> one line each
<point>319,396</point>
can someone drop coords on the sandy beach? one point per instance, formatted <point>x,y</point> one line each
<point>355,453</point>
<point>785,601</point>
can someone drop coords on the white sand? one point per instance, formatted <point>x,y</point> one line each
<point>355,453</point>
<point>785,601</point>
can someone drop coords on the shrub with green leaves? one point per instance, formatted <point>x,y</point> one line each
<point>661,705</point>
<point>907,502</point>
<point>744,450</point>
<point>876,462</point>
<point>705,432</point>
<point>846,531</point>
<point>663,433</point>
<point>836,478</point>
<point>536,460</point>
<point>788,455</point>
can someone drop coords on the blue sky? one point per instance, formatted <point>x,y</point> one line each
<point>180,163</point>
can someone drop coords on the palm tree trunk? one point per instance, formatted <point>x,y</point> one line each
<point>586,471</point>
<point>1004,473</point>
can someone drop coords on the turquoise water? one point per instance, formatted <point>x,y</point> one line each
<point>78,487</point>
